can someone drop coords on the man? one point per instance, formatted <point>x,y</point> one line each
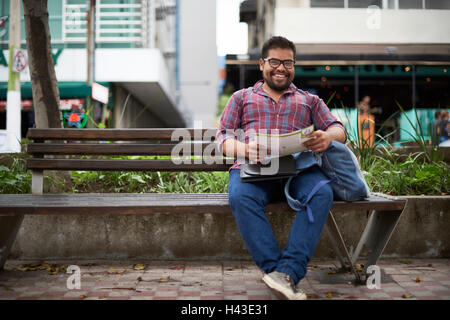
<point>276,104</point>
<point>442,125</point>
<point>364,105</point>
<point>435,128</point>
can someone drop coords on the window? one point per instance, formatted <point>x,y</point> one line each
<point>364,3</point>
<point>437,4</point>
<point>410,4</point>
<point>327,3</point>
<point>385,4</point>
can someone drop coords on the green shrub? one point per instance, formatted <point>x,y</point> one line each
<point>409,177</point>
<point>14,178</point>
<point>149,182</point>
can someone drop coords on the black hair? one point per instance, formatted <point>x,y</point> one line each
<point>277,43</point>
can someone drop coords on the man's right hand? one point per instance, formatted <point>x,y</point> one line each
<point>256,152</point>
<point>252,150</point>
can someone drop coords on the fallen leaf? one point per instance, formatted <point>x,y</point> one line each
<point>408,296</point>
<point>102,297</point>
<point>139,266</point>
<point>418,279</point>
<point>177,268</point>
<point>329,295</point>
<point>359,267</point>
<point>331,272</point>
<point>30,267</point>
<point>88,264</point>
<point>405,261</point>
<point>430,265</point>
<point>112,270</point>
<point>8,288</point>
<point>82,296</point>
<point>55,269</point>
<point>165,279</point>
<point>312,296</point>
<point>24,269</point>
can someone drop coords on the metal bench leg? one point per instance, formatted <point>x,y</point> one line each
<point>339,245</point>
<point>376,235</point>
<point>9,227</point>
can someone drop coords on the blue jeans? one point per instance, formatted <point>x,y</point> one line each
<point>248,201</point>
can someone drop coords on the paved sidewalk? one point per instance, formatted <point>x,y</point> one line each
<point>401,279</point>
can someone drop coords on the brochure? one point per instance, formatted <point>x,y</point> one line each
<point>288,143</point>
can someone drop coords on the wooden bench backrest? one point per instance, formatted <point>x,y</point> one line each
<point>75,149</point>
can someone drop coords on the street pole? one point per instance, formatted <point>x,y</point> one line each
<point>13,117</point>
<point>91,42</point>
<point>90,58</point>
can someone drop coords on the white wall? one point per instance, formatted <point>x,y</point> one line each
<point>323,25</point>
<point>111,65</point>
<point>198,59</point>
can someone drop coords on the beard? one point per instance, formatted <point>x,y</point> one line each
<point>278,86</point>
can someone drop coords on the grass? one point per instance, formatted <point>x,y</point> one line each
<point>149,182</point>
<point>423,172</point>
<point>392,175</point>
<point>14,177</point>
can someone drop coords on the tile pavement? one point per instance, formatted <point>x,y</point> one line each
<point>216,280</point>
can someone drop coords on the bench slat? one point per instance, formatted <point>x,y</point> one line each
<point>121,165</point>
<point>117,203</point>
<point>112,134</point>
<point>113,149</point>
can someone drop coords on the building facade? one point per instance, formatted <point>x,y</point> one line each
<point>141,53</point>
<point>395,51</point>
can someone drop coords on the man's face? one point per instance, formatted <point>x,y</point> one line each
<point>279,78</point>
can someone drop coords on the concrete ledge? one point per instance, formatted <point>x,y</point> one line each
<point>422,233</point>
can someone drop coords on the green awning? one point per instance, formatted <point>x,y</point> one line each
<point>383,71</point>
<point>67,90</point>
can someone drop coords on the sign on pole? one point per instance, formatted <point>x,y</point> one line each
<point>19,60</point>
<point>100,93</point>
<point>3,21</point>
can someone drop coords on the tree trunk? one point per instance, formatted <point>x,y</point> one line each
<point>42,70</point>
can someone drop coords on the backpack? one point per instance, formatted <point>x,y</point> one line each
<point>340,166</point>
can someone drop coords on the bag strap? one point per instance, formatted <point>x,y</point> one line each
<point>296,204</point>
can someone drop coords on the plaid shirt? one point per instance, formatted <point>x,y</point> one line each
<point>252,108</point>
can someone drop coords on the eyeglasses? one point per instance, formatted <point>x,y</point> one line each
<point>275,63</point>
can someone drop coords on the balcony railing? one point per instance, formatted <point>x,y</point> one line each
<point>114,22</point>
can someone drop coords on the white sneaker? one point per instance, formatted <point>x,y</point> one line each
<point>283,285</point>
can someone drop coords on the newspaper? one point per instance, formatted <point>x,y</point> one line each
<point>284,144</point>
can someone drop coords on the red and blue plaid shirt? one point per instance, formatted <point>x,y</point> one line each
<point>253,109</point>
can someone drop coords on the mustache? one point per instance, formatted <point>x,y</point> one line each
<point>280,72</point>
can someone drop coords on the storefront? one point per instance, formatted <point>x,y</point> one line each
<point>424,85</point>
<point>73,105</point>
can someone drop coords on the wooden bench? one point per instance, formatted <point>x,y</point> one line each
<point>66,149</point>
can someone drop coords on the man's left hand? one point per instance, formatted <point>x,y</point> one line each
<point>319,142</point>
